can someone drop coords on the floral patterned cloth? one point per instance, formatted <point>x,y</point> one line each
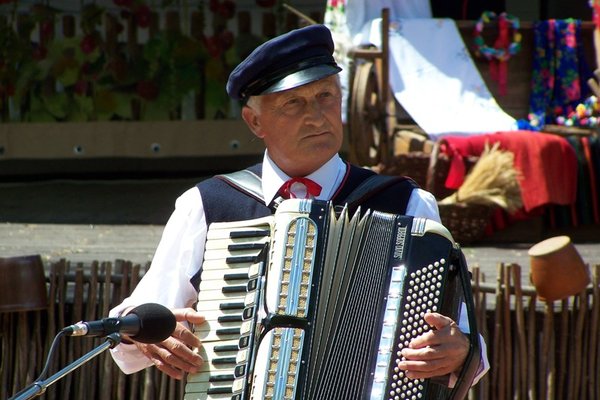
<point>559,70</point>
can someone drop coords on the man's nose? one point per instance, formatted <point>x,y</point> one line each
<point>314,110</point>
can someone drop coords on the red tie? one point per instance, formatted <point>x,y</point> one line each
<point>294,186</point>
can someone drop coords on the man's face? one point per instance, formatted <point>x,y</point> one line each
<point>301,127</point>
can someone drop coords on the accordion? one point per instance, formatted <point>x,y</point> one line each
<point>313,303</point>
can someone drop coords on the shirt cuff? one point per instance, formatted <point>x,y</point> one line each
<point>129,359</point>
<point>484,366</point>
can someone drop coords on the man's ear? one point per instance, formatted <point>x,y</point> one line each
<point>250,116</point>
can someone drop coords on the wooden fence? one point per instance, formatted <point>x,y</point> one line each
<point>536,350</point>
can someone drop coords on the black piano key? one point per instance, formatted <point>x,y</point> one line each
<point>241,259</point>
<point>230,318</point>
<point>245,246</point>
<point>220,390</point>
<point>235,277</point>
<point>221,378</point>
<point>250,233</point>
<point>231,306</point>
<point>223,360</point>
<point>234,289</point>
<point>225,348</point>
<point>228,331</point>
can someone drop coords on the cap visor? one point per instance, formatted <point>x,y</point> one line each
<point>303,77</point>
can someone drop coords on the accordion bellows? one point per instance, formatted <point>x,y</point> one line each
<point>312,303</point>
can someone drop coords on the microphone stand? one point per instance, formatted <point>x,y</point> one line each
<point>39,387</point>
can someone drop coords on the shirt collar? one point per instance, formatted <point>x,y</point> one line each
<point>329,176</point>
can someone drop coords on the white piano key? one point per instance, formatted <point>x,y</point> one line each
<point>208,349</point>
<point>208,295</point>
<point>204,377</point>
<point>213,336</point>
<point>219,274</point>
<point>213,315</point>
<point>204,396</point>
<point>218,264</point>
<point>214,325</point>
<point>216,305</point>
<point>225,243</point>
<point>216,284</point>
<point>200,387</point>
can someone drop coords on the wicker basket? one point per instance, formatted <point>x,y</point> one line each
<point>429,170</point>
<point>414,164</point>
<point>466,223</point>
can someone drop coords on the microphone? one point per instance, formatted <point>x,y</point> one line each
<point>147,323</point>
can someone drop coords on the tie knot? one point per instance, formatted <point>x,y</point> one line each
<point>300,188</point>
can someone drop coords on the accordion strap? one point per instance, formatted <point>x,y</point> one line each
<point>245,181</point>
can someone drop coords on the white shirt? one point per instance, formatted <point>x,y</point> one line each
<point>180,252</point>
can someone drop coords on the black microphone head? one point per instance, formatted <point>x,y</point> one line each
<point>157,323</point>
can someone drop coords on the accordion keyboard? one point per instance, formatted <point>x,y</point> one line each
<point>227,290</point>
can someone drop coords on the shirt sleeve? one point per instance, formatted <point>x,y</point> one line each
<point>177,258</point>
<point>423,204</point>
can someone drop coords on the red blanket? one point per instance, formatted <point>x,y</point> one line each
<point>547,163</point>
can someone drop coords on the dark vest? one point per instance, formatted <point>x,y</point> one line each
<point>225,203</point>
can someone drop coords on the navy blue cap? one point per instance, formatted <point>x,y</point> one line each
<point>293,59</point>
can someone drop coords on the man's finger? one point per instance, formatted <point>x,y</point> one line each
<point>438,321</point>
<point>189,315</point>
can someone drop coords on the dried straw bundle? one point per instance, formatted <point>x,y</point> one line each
<point>493,181</point>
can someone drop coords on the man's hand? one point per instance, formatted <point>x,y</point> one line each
<point>438,352</point>
<point>175,355</point>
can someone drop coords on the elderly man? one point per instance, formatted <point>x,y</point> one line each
<point>292,101</point>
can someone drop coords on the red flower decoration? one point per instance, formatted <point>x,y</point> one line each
<point>226,39</point>
<point>39,53</point>
<point>142,16</point>
<point>226,9</point>
<point>88,44</point>
<point>123,3</point>
<point>266,3</point>
<point>213,46</point>
<point>147,90</point>
<point>213,5</point>
<point>80,87</point>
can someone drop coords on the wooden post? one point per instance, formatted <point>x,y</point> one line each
<point>522,354</point>
<point>508,342</point>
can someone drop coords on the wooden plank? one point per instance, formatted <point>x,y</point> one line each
<point>156,139</point>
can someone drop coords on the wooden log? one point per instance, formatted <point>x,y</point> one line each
<point>498,379</point>
<point>564,384</point>
<point>533,349</point>
<point>107,374</point>
<point>580,314</point>
<point>92,387</point>
<point>522,371</point>
<point>508,340</point>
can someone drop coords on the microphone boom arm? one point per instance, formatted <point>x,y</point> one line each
<point>38,387</point>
